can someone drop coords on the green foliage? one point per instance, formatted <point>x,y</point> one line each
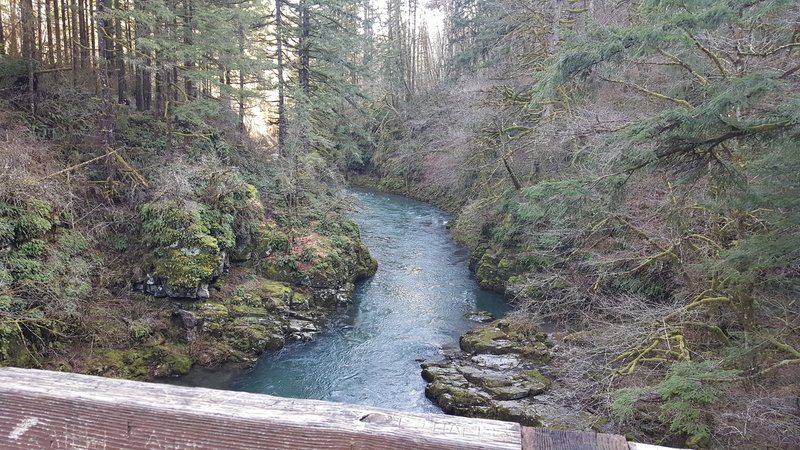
<point>187,242</point>
<point>475,27</point>
<point>43,258</point>
<point>141,131</point>
<point>26,221</point>
<point>164,223</point>
<point>270,240</point>
<point>686,392</point>
<point>546,200</point>
<point>119,242</point>
<point>538,207</point>
<point>640,286</point>
<point>226,193</point>
<point>288,261</point>
<point>624,404</point>
<point>337,227</point>
<point>11,68</point>
<point>139,331</point>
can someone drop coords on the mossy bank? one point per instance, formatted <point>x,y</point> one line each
<point>186,260</point>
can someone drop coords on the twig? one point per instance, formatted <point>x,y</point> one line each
<point>76,166</point>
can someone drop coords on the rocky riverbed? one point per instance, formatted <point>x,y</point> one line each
<point>497,374</point>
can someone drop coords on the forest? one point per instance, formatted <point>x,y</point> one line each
<point>171,176</point>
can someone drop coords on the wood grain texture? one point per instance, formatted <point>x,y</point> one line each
<point>40,409</point>
<point>541,439</point>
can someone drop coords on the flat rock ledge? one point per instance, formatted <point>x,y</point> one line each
<point>496,376</point>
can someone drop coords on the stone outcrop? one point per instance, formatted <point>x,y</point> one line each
<point>496,375</point>
<point>261,315</point>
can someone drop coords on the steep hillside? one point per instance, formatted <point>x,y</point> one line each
<point>629,172</point>
<point>173,249</point>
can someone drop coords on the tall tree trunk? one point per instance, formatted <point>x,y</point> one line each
<point>52,53</point>
<point>39,48</point>
<point>106,121</point>
<point>187,40</point>
<point>12,46</point>
<point>305,47</point>
<point>241,35</point>
<point>2,34</point>
<point>28,49</point>
<point>76,39</point>
<point>304,72</point>
<point>83,33</point>
<point>147,85</point>
<point>281,85</point>
<point>58,55</point>
<point>143,88</point>
<point>119,59</point>
<point>159,97</point>
<point>65,33</point>
<point>94,51</point>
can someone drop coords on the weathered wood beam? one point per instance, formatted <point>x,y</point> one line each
<point>42,409</point>
<point>543,439</point>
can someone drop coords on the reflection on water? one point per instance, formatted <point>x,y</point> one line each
<point>412,308</point>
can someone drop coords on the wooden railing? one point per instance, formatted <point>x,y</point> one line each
<point>41,409</point>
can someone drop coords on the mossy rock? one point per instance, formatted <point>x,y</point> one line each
<point>487,339</point>
<point>519,415</point>
<point>250,339</point>
<point>534,380</point>
<point>367,265</point>
<point>250,311</point>
<point>281,273</point>
<point>499,338</point>
<point>432,372</point>
<point>189,245</point>
<point>494,269</point>
<point>174,366</point>
<point>486,378</point>
<point>274,289</point>
<point>476,255</point>
<point>450,397</point>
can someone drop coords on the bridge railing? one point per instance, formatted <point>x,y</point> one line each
<point>42,409</point>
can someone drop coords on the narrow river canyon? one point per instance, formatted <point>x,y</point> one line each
<point>411,309</point>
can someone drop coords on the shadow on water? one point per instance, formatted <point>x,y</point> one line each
<point>412,308</point>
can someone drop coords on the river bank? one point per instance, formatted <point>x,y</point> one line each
<point>508,369</point>
<point>412,309</point>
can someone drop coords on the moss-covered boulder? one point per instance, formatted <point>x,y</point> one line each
<point>452,392</point>
<point>462,388</point>
<point>505,337</point>
<point>189,248</point>
<point>155,358</point>
<point>493,270</point>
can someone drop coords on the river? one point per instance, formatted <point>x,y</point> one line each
<point>411,309</point>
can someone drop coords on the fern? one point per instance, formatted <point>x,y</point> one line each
<point>687,391</point>
<point>624,405</point>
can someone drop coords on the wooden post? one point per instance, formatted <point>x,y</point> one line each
<point>543,439</point>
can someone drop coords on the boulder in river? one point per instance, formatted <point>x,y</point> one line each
<point>496,376</point>
<point>503,337</point>
<point>479,316</point>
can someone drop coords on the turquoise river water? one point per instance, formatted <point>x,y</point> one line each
<point>411,309</point>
